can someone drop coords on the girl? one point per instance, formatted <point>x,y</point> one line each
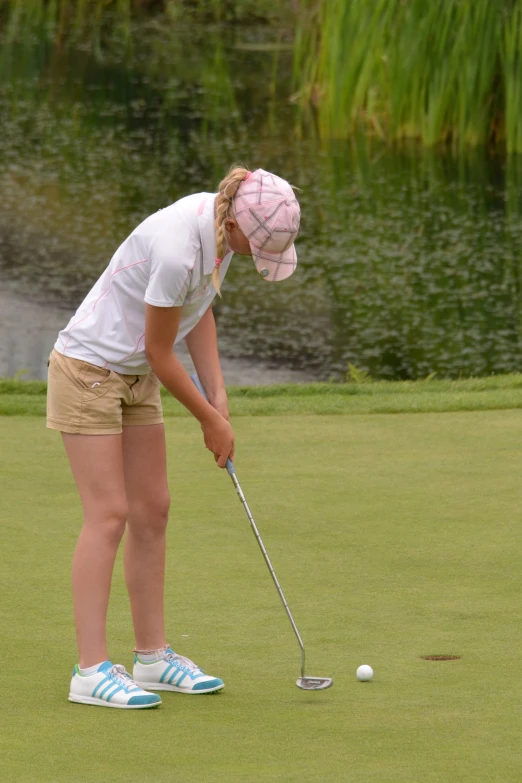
<point>104,396</point>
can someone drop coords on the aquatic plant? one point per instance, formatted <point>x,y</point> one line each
<point>448,71</point>
<point>69,18</point>
<point>62,20</point>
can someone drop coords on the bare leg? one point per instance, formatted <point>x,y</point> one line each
<point>97,466</point>
<point>145,469</point>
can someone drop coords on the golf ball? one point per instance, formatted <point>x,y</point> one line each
<point>364,673</point>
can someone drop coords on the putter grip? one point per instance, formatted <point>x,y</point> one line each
<point>197,383</point>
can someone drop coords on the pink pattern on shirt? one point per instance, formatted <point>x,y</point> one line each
<point>140,338</point>
<point>137,263</point>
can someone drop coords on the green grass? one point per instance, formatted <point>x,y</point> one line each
<point>394,537</point>
<point>18,398</point>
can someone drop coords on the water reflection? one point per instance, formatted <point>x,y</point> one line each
<point>28,332</point>
<point>409,261</point>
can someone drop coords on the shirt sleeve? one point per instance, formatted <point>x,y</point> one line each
<point>172,255</point>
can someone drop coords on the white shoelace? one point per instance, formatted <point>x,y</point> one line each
<point>186,662</point>
<point>121,675</point>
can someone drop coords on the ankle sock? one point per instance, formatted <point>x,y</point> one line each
<point>90,669</point>
<point>149,656</point>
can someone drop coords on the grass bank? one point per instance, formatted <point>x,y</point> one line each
<point>19,398</point>
<point>394,537</point>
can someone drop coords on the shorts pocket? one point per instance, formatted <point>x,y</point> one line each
<point>93,380</point>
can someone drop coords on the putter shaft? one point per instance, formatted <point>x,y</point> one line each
<point>253,525</point>
<point>232,473</point>
<point>305,683</point>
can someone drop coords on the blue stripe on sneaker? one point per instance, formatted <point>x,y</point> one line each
<point>102,682</point>
<point>108,690</point>
<point>119,688</point>
<point>105,690</point>
<point>178,683</point>
<point>173,676</point>
<point>167,670</point>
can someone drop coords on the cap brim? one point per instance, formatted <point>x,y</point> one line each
<point>274,267</point>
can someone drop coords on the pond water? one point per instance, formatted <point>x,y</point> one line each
<point>409,261</point>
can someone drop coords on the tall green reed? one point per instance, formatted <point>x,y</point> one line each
<point>63,19</point>
<point>447,71</point>
<point>512,81</point>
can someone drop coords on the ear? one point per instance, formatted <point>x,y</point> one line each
<point>230,225</point>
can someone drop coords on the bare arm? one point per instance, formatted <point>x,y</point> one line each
<point>203,348</point>
<point>161,328</point>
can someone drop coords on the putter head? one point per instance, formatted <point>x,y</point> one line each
<point>314,683</point>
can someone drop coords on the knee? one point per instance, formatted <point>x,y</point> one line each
<point>149,519</point>
<point>109,521</point>
<point>156,511</point>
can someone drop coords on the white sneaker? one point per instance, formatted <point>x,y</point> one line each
<point>110,686</point>
<point>174,672</point>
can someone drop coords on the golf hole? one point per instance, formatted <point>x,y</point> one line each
<point>440,657</point>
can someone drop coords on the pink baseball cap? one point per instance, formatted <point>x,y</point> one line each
<point>268,214</point>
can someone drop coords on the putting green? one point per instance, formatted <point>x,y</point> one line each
<point>394,537</point>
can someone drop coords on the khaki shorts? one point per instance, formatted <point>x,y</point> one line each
<point>89,400</point>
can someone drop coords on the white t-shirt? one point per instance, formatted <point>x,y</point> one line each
<point>167,261</point>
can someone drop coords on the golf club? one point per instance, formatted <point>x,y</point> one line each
<point>305,683</point>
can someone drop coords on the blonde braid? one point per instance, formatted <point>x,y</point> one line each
<point>224,203</point>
